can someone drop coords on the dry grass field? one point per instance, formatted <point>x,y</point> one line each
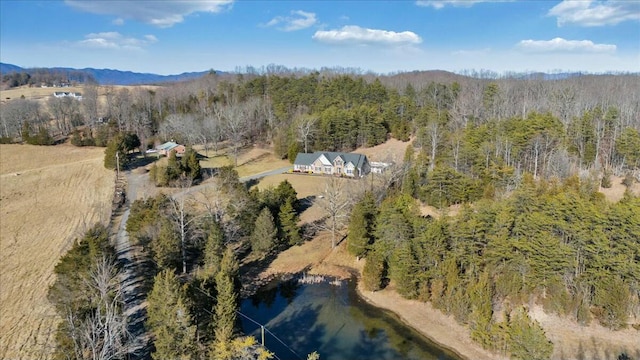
<point>48,196</point>
<point>34,93</point>
<point>250,161</point>
<point>43,94</point>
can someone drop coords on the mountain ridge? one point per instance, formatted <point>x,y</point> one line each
<point>110,76</point>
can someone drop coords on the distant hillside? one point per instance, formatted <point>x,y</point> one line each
<point>106,76</point>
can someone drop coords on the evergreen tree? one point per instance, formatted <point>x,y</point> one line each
<point>169,319</point>
<point>173,167</point>
<point>374,271</point>
<point>225,308</point>
<point>190,164</point>
<point>613,300</point>
<point>480,294</point>
<point>527,340</point>
<point>361,226</point>
<point>264,233</point>
<point>402,270</point>
<point>165,248</point>
<point>289,224</point>
<point>115,152</point>
<point>213,251</point>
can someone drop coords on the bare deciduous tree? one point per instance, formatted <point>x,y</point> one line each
<point>335,200</point>
<point>102,335</point>
<point>64,110</point>
<point>306,128</point>
<point>17,112</point>
<point>90,104</point>
<point>237,117</point>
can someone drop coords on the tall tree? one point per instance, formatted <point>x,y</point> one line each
<point>264,233</point>
<point>306,129</point>
<point>225,308</point>
<point>169,319</point>
<point>361,226</point>
<point>335,202</point>
<point>289,228</point>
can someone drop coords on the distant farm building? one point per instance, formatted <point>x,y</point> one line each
<point>167,147</point>
<point>332,163</point>
<point>62,94</point>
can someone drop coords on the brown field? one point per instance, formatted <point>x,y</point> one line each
<point>42,94</point>
<point>250,161</point>
<point>48,197</point>
<point>35,93</point>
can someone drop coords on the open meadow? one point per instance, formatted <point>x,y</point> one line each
<point>48,197</point>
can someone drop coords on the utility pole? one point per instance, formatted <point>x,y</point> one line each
<point>117,164</point>
<point>262,331</point>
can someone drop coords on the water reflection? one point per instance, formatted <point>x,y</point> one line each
<point>334,321</point>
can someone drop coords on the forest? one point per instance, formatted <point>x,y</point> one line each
<point>523,157</point>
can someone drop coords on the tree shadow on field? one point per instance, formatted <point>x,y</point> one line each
<point>137,160</point>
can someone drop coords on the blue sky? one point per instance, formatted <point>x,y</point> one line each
<point>170,37</point>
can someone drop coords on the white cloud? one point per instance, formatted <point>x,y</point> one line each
<point>595,13</point>
<point>115,40</point>
<point>562,45</point>
<point>159,13</point>
<point>439,4</point>
<point>352,34</point>
<point>118,21</point>
<point>297,21</point>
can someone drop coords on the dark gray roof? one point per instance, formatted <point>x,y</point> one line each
<point>307,159</point>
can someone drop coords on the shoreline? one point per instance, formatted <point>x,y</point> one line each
<point>439,328</point>
<point>570,339</point>
<point>316,258</point>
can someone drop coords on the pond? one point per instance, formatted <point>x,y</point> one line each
<point>330,318</point>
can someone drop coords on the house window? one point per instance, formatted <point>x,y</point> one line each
<point>349,172</point>
<point>318,169</point>
<point>327,169</point>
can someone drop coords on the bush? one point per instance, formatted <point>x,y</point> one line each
<point>606,180</point>
<point>628,180</point>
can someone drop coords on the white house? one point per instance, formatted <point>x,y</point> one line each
<point>61,94</point>
<point>332,163</point>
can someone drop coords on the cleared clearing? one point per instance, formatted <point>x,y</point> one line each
<point>48,197</point>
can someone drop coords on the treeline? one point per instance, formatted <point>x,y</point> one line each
<point>474,125</point>
<point>47,77</point>
<point>193,244</point>
<point>557,243</point>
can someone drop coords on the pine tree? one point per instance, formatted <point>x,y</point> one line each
<point>225,309</point>
<point>361,225</point>
<point>165,247</point>
<point>289,224</point>
<point>526,339</point>
<point>264,233</point>
<point>190,164</point>
<point>169,319</point>
<point>213,251</point>
<point>403,270</point>
<point>173,167</point>
<point>374,271</point>
<point>480,294</point>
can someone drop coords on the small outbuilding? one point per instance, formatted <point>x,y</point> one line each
<point>167,147</point>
